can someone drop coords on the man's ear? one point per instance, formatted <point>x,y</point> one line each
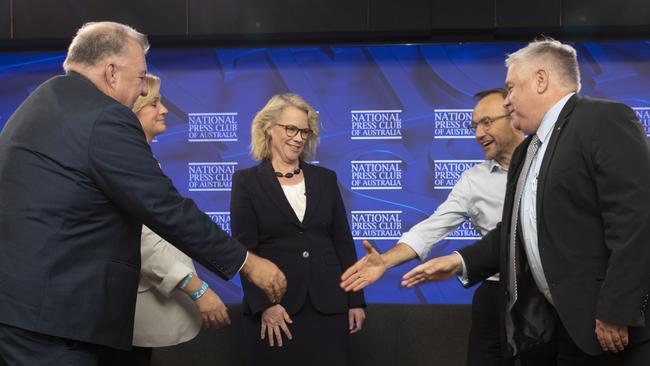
<point>541,80</point>
<point>110,74</point>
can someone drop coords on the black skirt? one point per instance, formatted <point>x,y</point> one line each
<point>318,339</point>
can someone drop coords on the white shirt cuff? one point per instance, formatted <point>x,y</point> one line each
<point>463,276</point>
<point>243,263</point>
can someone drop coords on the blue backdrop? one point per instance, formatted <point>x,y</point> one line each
<point>394,125</point>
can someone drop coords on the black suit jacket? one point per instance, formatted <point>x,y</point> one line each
<point>77,181</point>
<point>312,253</point>
<point>593,225</point>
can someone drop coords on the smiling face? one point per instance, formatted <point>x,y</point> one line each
<point>284,148</point>
<point>152,118</point>
<point>499,140</point>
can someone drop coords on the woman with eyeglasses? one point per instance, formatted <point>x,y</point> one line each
<point>292,213</point>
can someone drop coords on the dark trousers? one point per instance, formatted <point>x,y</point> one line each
<point>484,347</point>
<point>562,351</point>
<point>20,347</point>
<point>568,354</point>
<point>138,356</point>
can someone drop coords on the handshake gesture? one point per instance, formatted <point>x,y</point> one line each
<point>373,265</point>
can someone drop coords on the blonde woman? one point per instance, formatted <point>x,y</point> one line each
<point>292,213</point>
<point>172,301</point>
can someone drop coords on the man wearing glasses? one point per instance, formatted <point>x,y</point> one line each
<point>478,195</point>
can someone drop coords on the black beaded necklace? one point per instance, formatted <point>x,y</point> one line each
<point>287,175</point>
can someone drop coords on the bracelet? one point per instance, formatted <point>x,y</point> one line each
<point>186,280</point>
<point>200,291</point>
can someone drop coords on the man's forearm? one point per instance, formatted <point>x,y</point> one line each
<point>398,254</point>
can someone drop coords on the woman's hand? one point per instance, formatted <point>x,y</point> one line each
<point>274,320</point>
<point>356,318</point>
<point>213,311</point>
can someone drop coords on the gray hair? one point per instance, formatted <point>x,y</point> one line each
<point>95,41</point>
<point>558,56</point>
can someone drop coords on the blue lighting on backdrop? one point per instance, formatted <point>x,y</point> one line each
<point>394,125</point>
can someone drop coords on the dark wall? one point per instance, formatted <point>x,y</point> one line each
<point>61,18</point>
<point>605,12</point>
<point>275,16</point>
<point>5,19</point>
<point>332,20</point>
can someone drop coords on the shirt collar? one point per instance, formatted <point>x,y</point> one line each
<point>550,118</point>
<point>494,166</point>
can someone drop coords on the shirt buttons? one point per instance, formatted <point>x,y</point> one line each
<point>305,254</point>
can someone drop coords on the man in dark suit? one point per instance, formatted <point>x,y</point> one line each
<point>78,180</point>
<point>573,245</point>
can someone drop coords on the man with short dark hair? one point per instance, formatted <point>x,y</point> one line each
<point>78,180</point>
<point>478,195</point>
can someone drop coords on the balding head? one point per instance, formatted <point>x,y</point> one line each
<point>98,41</point>
<point>112,57</point>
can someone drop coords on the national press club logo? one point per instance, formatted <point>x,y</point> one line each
<point>375,174</point>
<point>210,176</point>
<point>212,127</point>
<point>221,218</point>
<point>376,225</point>
<point>447,172</point>
<point>643,114</point>
<point>452,124</point>
<point>376,124</point>
<point>466,231</point>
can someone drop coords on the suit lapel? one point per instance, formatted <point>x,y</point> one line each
<point>561,122</point>
<point>312,189</point>
<point>274,191</point>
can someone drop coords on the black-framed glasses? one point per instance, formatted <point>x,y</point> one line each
<point>486,122</point>
<point>292,131</point>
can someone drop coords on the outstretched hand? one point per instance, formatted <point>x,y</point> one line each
<point>437,269</point>
<point>366,271</point>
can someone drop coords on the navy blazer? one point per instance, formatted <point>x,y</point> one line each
<point>312,254</point>
<point>77,181</point>
<point>593,227</point>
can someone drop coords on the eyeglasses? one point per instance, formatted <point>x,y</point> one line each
<point>292,131</point>
<point>486,122</point>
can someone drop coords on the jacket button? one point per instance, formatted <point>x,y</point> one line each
<point>301,232</point>
<point>305,254</point>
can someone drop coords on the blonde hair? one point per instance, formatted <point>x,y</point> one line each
<point>153,92</point>
<point>268,116</point>
<point>95,41</point>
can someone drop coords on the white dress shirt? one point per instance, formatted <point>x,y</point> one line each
<point>528,207</point>
<point>296,196</point>
<point>478,195</point>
